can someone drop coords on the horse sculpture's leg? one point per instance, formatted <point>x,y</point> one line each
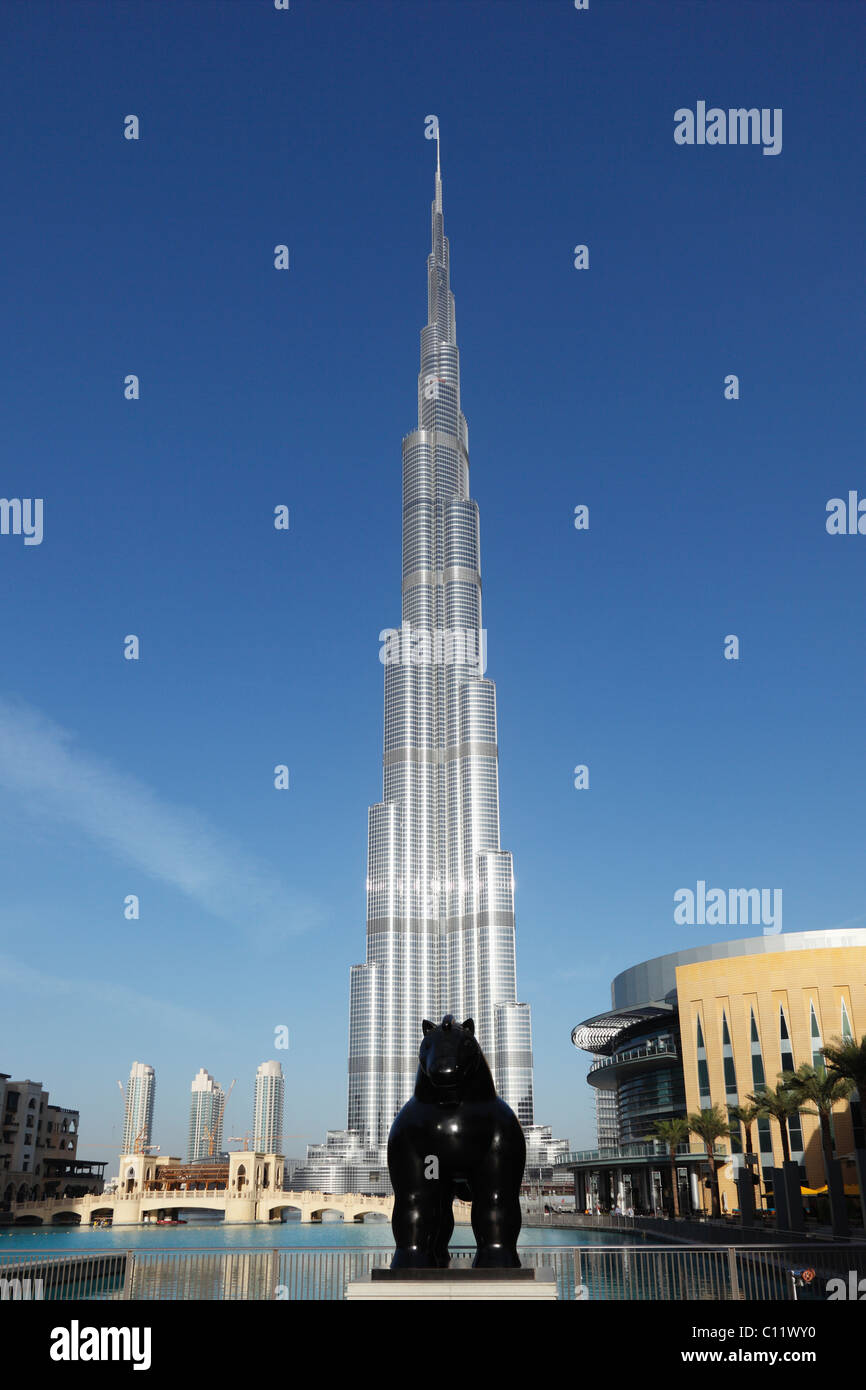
<point>496,1217</point>
<point>445,1225</point>
<point>415,1219</point>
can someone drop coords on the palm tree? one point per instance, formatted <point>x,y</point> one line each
<point>822,1090</point>
<point>847,1058</point>
<point>711,1125</point>
<point>744,1115</point>
<point>781,1104</point>
<point>671,1133</point>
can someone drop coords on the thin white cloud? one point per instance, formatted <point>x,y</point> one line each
<point>134,1006</point>
<point>53,780</point>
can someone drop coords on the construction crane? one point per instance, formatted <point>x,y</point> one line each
<point>245,1139</point>
<point>210,1135</point>
<point>240,1139</point>
<point>139,1146</point>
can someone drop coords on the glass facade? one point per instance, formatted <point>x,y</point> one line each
<point>742,1012</point>
<point>440,889</point>
<point>268,1116</point>
<point>205,1117</point>
<point>138,1120</point>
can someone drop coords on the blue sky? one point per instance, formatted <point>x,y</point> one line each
<point>602,387</point>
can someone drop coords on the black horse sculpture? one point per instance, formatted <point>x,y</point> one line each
<point>455,1138</point>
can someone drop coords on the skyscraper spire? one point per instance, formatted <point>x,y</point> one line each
<point>440,910</point>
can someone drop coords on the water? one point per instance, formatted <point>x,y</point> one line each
<point>207,1259</point>
<point>294,1234</point>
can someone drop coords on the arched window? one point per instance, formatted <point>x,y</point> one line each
<point>785,1049</point>
<point>704,1099</point>
<point>846,1023</point>
<point>731,1094</point>
<point>815,1035</point>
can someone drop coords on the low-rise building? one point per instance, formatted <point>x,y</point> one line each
<point>39,1145</point>
<point>707,1027</point>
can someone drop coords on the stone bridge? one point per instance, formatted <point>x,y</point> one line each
<point>135,1208</point>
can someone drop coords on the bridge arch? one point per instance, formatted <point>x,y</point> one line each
<point>67,1216</point>
<point>359,1213</point>
<point>174,1203</point>
<point>100,1213</point>
<point>318,1213</point>
<point>274,1209</point>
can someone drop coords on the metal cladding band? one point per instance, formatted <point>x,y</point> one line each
<point>440,890</point>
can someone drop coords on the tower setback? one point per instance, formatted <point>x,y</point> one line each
<point>440,888</point>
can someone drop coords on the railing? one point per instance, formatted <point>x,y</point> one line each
<point>615,1273</point>
<point>634,1054</point>
<point>651,1149</point>
<point>188,1194</point>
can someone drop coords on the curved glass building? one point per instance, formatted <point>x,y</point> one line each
<point>706,1027</point>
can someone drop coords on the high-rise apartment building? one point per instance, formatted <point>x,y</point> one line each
<point>138,1121</point>
<point>205,1117</point>
<point>268,1118</point>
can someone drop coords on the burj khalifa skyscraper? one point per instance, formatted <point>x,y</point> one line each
<point>440,888</point>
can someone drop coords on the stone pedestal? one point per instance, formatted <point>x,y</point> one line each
<point>780,1200</point>
<point>791,1178</point>
<point>423,1285</point>
<point>746,1193</point>
<point>836,1193</point>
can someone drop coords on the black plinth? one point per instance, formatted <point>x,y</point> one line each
<point>463,1275</point>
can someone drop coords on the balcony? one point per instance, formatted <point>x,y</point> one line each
<point>605,1070</point>
<point>629,1152</point>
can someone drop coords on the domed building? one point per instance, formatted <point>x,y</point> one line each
<point>707,1027</point>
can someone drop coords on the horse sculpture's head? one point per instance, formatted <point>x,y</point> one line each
<point>449,1053</point>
